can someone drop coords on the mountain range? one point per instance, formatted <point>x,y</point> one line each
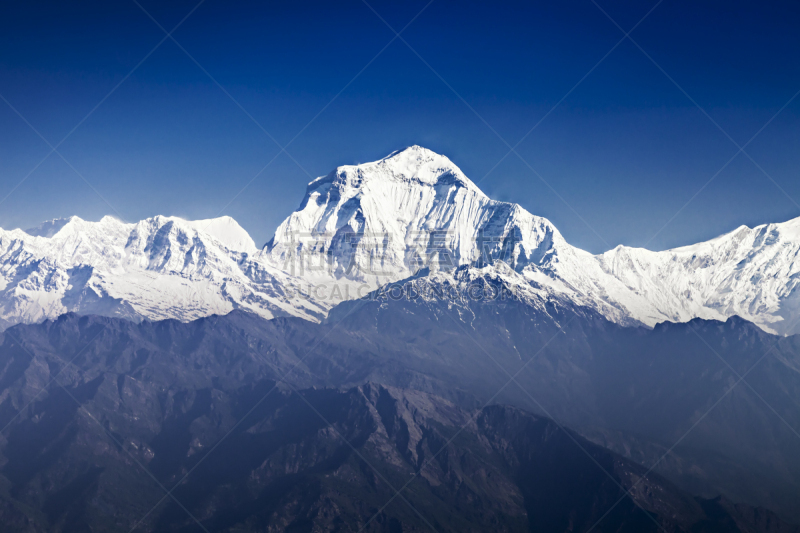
<point>401,329</point>
<point>363,226</point>
<point>289,425</point>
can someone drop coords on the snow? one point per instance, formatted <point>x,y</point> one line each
<point>161,267</point>
<point>48,228</point>
<point>227,231</point>
<point>752,273</point>
<point>386,212</point>
<point>362,226</point>
<point>373,222</point>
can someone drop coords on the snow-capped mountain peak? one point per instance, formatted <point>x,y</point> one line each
<point>425,166</point>
<point>224,229</point>
<point>412,164</point>
<point>379,222</point>
<point>369,224</point>
<point>382,221</point>
<point>750,272</point>
<point>49,228</point>
<point>160,267</point>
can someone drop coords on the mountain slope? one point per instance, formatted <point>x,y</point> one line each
<point>634,390</point>
<point>307,460</point>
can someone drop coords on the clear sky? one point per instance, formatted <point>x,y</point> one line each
<point>623,152</point>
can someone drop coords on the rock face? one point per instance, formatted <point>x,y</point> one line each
<point>363,226</point>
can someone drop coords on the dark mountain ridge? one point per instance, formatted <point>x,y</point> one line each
<point>332,460</point>
<point>633,390</point>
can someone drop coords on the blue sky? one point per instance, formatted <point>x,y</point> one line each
<point>616,160</point>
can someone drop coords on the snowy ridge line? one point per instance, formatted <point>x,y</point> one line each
<point>162,267</point>
<point>410,214</point>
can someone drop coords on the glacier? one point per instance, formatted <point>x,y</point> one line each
<point>412,213</point>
